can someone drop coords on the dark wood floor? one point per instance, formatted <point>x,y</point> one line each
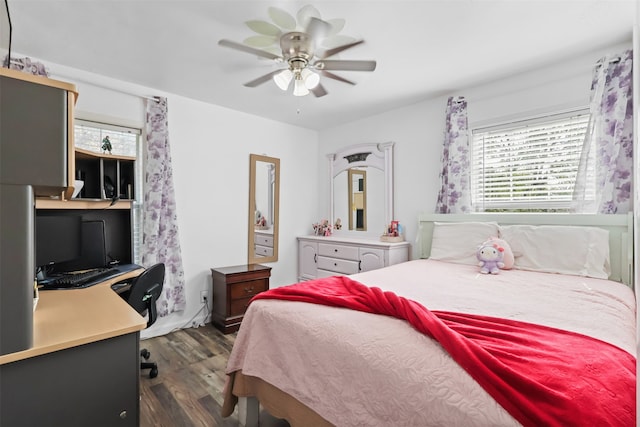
<point>188,389</point>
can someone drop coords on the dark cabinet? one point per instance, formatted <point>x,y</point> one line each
<point>93,384</point>
<point>233,288</point>
<point>35,141</point>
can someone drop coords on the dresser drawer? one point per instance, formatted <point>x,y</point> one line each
<point>248,289</point>
<point>338,265</point>
<point>338,251</point>
<point>263,240</point>
<point>263,250</point>
<point>325,273</point>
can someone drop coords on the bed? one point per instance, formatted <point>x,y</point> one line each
<point>318,365</point>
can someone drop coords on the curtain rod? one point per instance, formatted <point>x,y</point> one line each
<point>150,98</point>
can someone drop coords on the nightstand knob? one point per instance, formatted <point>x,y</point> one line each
<point>248,289</point>
<point>123,414</point>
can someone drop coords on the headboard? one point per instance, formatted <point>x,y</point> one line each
<point>620,229</point>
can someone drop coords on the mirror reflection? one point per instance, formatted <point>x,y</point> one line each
<point>357,199</point>
<point>264,180</point>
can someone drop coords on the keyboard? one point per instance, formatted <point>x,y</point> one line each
<point>86,278</point>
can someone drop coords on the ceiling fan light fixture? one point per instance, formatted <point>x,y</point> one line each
<point>299,89</point>
<point>283,79</point>
<point>311,79</point>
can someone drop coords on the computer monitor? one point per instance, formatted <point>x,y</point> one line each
<point>58,239</point>
<point>93,248</point>
<point>93,252</point>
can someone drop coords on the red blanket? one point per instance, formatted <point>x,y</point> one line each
<point>540,375</point>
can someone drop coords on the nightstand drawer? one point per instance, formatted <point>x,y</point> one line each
<point>239,306</point>
<point>338,265</point>
<point>248,289</point>
<point>338,251</point>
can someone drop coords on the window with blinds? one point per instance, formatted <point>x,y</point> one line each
<point>89,135</point>
<point>528,165</point>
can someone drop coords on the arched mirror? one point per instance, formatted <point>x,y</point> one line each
<point>361,187</point>
<point>264,199</point>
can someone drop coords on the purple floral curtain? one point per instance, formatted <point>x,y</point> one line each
<point>26,65</point>
<point>160,239</point>
<point>454,195</point>
<point>605,175</point>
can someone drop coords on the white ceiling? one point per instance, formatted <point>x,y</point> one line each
<point>423,48</point>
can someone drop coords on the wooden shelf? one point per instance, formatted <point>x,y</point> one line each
<point>85,154</point>
<point>101,170</point>
<point>44,203</point>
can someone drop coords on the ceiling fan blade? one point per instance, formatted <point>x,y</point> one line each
<point>345,65</point>
<point>336,77</point>
<point>319,91</point>
<point>282,18</point>
<point>248,49</point>
<point>317,29</point>
<point>262,79</point>
<point>335,50</point>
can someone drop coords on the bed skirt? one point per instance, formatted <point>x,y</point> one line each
<point>275,401</point>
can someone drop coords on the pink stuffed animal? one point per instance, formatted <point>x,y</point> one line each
<point>490,257</point>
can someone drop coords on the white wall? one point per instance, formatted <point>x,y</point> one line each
<point>418,129</point>
<point>210,148</point>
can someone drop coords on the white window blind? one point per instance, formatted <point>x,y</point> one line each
<point>88,135</point>
<point>528,165</point>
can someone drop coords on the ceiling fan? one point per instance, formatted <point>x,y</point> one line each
<point>302,57</point>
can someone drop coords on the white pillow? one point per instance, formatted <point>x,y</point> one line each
<point>457,242</point>
<point>581,251</point>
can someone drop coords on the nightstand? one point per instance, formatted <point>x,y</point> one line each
<point>233,288</point>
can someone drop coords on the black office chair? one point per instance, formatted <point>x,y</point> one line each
<point>142,296</point>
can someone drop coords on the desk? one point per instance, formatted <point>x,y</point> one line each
<point>83,368</point>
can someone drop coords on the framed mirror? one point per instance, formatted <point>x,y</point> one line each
<point>361,187</point>
<point>264,202</point>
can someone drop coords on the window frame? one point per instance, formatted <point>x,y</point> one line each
<point>523,125</point>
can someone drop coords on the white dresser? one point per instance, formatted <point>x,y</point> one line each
<point>329,256</point>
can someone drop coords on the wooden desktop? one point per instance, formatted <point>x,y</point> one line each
<point>83,368</point>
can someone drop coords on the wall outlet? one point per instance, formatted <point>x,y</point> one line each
<point>204,297</point>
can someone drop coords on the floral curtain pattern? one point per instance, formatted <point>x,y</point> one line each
<point>454,195</point>
<point>26,65</point>
<point>607,154</point>
<point>160,239</point>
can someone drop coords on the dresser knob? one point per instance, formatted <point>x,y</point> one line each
<point>248,290</point>
<point>335,264</point>
<point>335,250</point>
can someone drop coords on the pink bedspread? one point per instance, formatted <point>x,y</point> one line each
<point>355,368</point>
<point>531,370</point>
